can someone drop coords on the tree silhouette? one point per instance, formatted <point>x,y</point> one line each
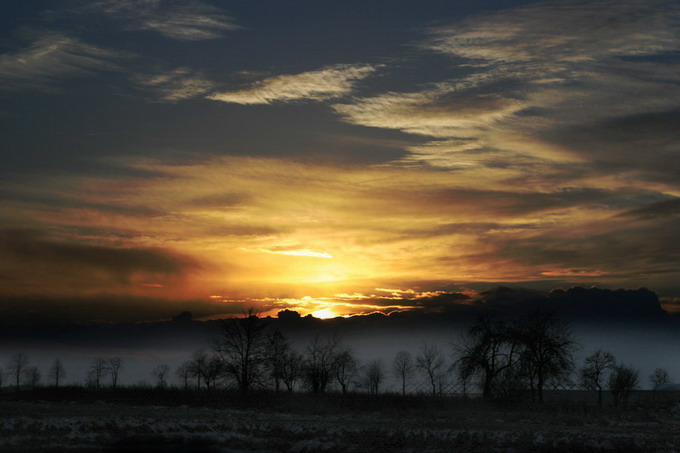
<point>277,351</point>
<point>241,347</point>
<point>594,369</point>
<point>622,380</point>
<point>374,376</point>
<point>402,367</point>
<point>490,350</point>
<point>56,372</point>
<point>160,373</point>
<point>548,349</point>
<point>31,376</point>
<point>97,371</point>
<point>659,378</point>
<point>197,366</point>
<point>320,360</point>
<point>346,369</point>
<point>113,367</point>
<point>292,368</point>
<point>213,371</point>
<point>430,361</point>
<point>17,363</point>
<point>183,373</point>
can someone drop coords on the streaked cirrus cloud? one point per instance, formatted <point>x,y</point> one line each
<point>50,57</point>
<point>326,83</point>
<point>188,20</point>
<point>175,85</point>
<point>547,84</point>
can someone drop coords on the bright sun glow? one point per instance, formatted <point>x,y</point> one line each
<point>324,313</point>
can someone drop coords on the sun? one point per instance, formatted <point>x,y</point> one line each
<point>324,313</point>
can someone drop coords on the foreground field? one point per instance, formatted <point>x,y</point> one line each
<point>334,426</point>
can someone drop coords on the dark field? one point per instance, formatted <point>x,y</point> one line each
<point>221,421</point>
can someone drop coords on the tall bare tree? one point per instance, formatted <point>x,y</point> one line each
<point>97,371</point>
<point>276,352</point>
<point>113,368</point>
<point>402,367</point>
<point>213,371</point>
<point>622,380</point>
<point>659,378</point>
<point>594,371</point>
<point>16,366</point>
<point>375,374</point>
<point>320,360</point>
<point>31,376</point>
<point>56,372</point>
<point>547,349</point>
<point>183,373</point>
<point>430,362</point>
<point>160,374</point>
<point>490,350</point>
<point>292,369</point>
<point>241,346</point>
<point>197,366</point>
<point>345,369</point>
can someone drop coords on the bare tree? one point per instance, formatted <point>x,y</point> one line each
<point>160,373</point>
<point>113,367</point>
<point>241,346</point>
<point>622,380</point>
<point>548,349</point>
<point>276,355</point>
<point>213,371</point>
<point>31,376</point>
<point>345,368</point>
<point>197,366</point>
<point>489,350</point>
<point>594,371</point>
<point>56,372</point>
<point>320,361</point>
<point>97,371</point>
<point>17,363</point>
<point>374,376</point>
<point>659,378</point>
<point>430,361</point>
<point>463,375</point>
<point>183,373</point>
<point>402,367</point>
<point>292,368</point>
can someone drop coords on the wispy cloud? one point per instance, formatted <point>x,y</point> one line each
<point>185,20</point>
<point>50,57</point>
<point>175,85</point>
<point>275,226</point>
<point>540,81</point>
<point>327,83</point>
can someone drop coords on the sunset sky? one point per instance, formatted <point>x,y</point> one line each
<point>332,157</point>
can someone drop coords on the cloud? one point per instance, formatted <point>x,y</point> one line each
<point>266,227</point>
<point>37,262</point>
<point>660,209</point>
<point>440,112</point>
<point>176,85</point>
<point>50,57</point>
<point>608,252</point>
<point>563,31</point>
<point>176,19</point>
<point>533,86</point>
<point>328,83</point>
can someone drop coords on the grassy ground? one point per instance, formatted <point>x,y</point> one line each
<point>229,422</point>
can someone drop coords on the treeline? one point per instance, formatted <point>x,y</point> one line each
<point>495,359</point>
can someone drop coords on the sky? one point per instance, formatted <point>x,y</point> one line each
<point>335,157</point>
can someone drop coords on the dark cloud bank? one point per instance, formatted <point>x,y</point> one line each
<point>638,309</point>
